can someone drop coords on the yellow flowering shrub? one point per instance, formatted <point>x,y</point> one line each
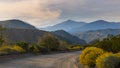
<point>89,56</point>
<point>3,50</point>
<point>108,60</point>
<point>7,49</point>
<point>18,49</point>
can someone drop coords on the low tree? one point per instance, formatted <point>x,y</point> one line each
<point>63,46</point>
<point>23,44</point>
<point>49,42</point>
<point>34,48</point>
<point>1,35</point>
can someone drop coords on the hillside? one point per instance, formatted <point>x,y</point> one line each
<point>70,38</point>
<point>32,36</point>
<point>18,24</point>
<point>91,35</point>
<point>17,30</point>
<point>28,35</point>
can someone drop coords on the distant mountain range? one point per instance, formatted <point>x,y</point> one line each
<point>76,27</point>
<point>91,35</point>
<point>66,25</point>
<point>96,25</point>
<point>17,30</point>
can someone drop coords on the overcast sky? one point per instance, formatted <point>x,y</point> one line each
<point>43,13</point>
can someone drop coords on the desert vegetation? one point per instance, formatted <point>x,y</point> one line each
<point>102,54</point>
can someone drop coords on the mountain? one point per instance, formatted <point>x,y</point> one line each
<point>96,25</point>
<point>18,24</point>
<point>91,35</point>
<point>32,35</point>
<point>66,25</point>
<point>17,30</point>
<point>70,38</point>
<point>16,35</point>
<point>76,27</point>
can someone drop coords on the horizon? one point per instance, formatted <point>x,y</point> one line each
<point>59,22</point>
<point>45,13</point>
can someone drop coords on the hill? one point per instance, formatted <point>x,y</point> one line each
<point>32,36</point>
<point>91,35</point>
<point>18,24</point>
<point>70,38</point>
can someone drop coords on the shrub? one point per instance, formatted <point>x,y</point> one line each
<point>18,49</point>
<point>63,46</point>
<point>75,47</point>
<point>10,49</point>
<point>34,48</point>
<point>110,44</point>
<point>89,55</point>
<point>23,44</point>
<point>4,50</point>
<point>108,60</point>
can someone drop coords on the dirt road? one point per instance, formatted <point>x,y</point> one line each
<point>62,60</point>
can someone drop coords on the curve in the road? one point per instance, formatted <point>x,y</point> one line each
<point>62,60</point>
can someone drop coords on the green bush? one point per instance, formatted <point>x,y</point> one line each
<point>23,44</point>
<point>34,48</point>
<point>75,47</point>
<point>108,60</point>
<point>89,55</point>
<point>110,44</point>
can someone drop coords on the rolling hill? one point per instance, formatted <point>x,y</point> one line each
<point>91,35</point>
<point>18,24</point>
<point>70,38</point>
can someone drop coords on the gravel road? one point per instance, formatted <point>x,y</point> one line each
<point>61,60</point>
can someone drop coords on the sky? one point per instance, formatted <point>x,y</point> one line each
<point>42,13</point>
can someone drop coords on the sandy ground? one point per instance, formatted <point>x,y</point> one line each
<point>61,60</point>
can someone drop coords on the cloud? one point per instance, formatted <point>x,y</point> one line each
<point>30,10</point>
<point>88,9</point>
<point>47,12</point>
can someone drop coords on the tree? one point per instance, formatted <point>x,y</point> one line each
<point>23,44</point>
<point>34,48</point>
<point>1,35</point>
<point>49,42</point>
<point>63,46</point>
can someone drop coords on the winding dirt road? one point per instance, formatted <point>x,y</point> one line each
<point>62,60</point>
